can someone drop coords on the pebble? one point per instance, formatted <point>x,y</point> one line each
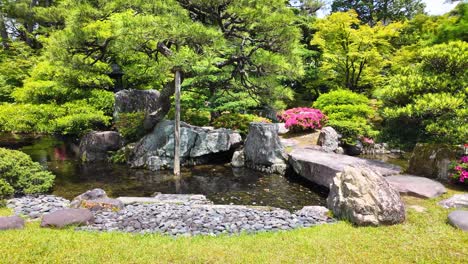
<point>36,206</point>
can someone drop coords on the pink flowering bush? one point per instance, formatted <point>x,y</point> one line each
<point>303,118</point>
<point>460,170</point>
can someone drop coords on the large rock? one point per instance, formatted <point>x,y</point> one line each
<point>96,199</point>
<point>128,101</point>
<point>95,145</point>
<point>328,139</point>
<point>197,145</point>
<point>363,197</point>
<point>433,160</point>
<point>416,186</point>
<point>456,201</point>
<point>459,219</point>
<point>263,149</point>
<point>321,167</point>
<point>66,217</point>
<point>11,222</point>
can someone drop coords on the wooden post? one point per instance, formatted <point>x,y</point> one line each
<point>177,125</point>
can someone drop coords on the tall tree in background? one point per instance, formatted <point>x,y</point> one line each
<point>354,55</point>
<point>373,11</point>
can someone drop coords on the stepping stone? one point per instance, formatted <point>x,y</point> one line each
<point>66,217</point>
<point>459,219</point>
<point>132,200</point>
<point>416,186</point>
<point>321,167</point>
<point>11,222</point>
<point>456,201</point>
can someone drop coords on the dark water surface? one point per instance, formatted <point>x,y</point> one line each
<point>222,184</point>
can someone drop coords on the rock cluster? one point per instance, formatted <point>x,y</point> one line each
<point>36,206</point>
<point>263,150</point>
<point>156,150</point>
<point>175,219</point>
<point>96,199</point>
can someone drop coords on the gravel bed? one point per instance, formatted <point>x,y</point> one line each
<point>187,220</point>
<point>35,206</point>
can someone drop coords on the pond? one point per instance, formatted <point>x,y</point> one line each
<point>220,183</point>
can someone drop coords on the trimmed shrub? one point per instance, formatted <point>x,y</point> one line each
<point>303,118</point>
<point>348,113</point>
<point>130,125</point>
<point>19,174</point>
<point>239,122</point>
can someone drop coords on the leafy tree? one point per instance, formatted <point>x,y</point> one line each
<point>233,46</point>
<point>385,11</point>
<point>354,55</point>
<point>426,101</point>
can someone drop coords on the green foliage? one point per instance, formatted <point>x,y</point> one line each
<point>354,55</point>
<point>348,113</point>
<point>19,174</point>
<point>239,122</point>
<point>74,118</point>
<point>130,125</point>
<point>427,101</point>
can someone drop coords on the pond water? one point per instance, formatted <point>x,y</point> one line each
<point>220,183</point>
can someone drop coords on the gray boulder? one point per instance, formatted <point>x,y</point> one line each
<point>459,219</point>
<point>11,222</point>
<point>263,149</point>
<point>128,101</point>
<point>363,197</point>
<point>321,167</point>
<point>416,186</point>
<point>432,160</point>
<point>95,145</point>
<point>95,200</point>
<point>314,212</point>
<point>456,201</point>
<point>238,159</point>
<point>66,217</point>
<point>354,150</point>
<point>198,145</point>
<point>328,139</point>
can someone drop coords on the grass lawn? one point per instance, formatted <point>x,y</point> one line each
<point>423,238</point>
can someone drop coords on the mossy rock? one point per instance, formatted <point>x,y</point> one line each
<point>432,160</point>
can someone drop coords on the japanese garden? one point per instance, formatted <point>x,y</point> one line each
<point>233,131</point>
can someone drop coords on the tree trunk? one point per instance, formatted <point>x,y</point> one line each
<point>177,125</point>
<point>164,105</point>
<point>3,33</point>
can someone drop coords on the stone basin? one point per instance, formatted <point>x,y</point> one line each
<point>321,167</point>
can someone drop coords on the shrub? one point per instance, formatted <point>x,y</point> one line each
<point>72,118</point>
<point>348,113</point>
<point>303,118</point>
<point>426,101</point>
<point>130,125</point>
<point>238,122</point>
<point>196,117</point>
<point>19,174</point>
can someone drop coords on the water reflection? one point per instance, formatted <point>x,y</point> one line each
<point>222,184</point>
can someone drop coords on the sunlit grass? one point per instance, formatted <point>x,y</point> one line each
<point>423,238</point>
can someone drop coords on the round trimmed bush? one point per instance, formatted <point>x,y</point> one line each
<point>20,175</point>
<point>239,122</point>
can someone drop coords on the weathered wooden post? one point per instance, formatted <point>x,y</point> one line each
<point>177,125</point>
